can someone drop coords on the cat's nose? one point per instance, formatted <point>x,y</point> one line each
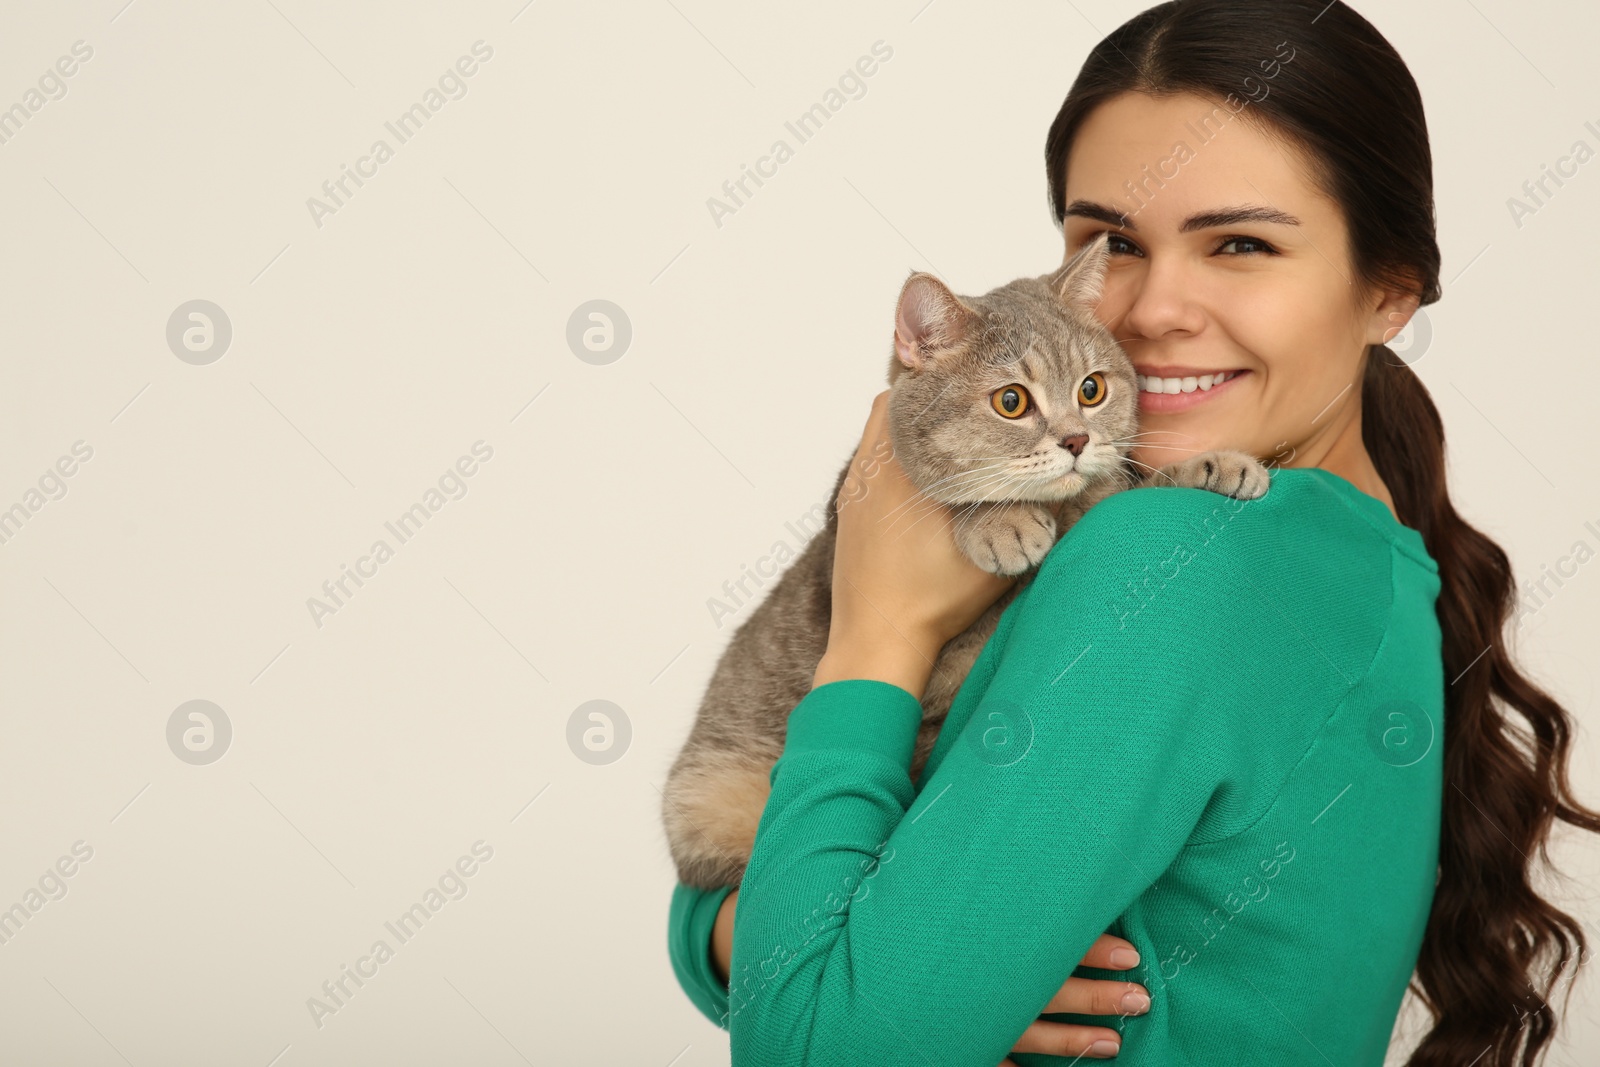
<point>1074,443</point>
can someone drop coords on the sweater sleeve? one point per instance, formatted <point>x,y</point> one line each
<point>690,918</point>
<point>876,924</point>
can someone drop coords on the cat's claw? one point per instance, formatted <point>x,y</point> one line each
<point>1006,539</point>
<point>1236,474</point>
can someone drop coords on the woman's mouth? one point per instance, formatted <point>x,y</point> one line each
<point>1172,392</point>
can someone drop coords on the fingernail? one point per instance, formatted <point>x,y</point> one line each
<point>1133,1003</point>
<point>1123,958</point>
<point>1103,1048</point>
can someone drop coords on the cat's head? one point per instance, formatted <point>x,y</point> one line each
<point>1018,394</point>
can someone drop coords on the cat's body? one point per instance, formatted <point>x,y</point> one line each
<point>989,413</point>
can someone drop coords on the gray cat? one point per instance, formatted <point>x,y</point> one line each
<point>1016,409</point>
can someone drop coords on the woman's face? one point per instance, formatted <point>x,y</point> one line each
<point>1224,260</point>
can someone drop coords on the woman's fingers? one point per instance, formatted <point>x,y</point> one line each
<point>1111,953</point>
<point>1096,996</point>
<point>1067,1039</point>
<point>875,431</point>
<point>870,467</point>
<point>1089,996</point>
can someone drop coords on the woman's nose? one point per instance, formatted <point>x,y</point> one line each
<point>1163,301</point>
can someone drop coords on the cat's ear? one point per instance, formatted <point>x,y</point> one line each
<point>1080,281</point>
<point>928,317</point>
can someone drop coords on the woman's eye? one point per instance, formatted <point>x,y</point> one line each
<point>1260,246</point>
<point>1115,245</point>
<point>1118,245</point>
<point>1092,390</point>
<point>1011,401</point>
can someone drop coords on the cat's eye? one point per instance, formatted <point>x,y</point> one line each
<point>1011,401</point>
<point>1092,390</point>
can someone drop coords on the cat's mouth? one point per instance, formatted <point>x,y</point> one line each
<point>1045,475</point>
<point>1063,485</point>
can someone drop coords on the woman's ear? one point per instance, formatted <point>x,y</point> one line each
<point>1393,312</point>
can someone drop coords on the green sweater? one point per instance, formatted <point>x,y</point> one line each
<point>1212,727</point>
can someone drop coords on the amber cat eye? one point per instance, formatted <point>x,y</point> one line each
<point>1092,390</point>
<point>1012,401</point>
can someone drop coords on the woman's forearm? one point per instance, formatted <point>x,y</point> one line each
<point>722,938</point>
<point>890,659</point>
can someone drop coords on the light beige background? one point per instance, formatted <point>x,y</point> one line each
<point>430,312</point>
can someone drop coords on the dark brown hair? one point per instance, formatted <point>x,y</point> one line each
<point>1494,949</point>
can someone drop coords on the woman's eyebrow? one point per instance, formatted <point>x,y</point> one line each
<point>1203,220</point>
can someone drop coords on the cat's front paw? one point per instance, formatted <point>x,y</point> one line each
<point>1236,474</point>
<point>1005,539</point>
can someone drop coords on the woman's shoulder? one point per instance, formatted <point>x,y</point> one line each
<point>1181,560</point>
<point>1304,506</point>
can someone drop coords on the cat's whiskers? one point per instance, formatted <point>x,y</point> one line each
<point>957,516</point>
<point>962,512</point>
<point>1028,480</point>
<point>977,488</point>
<point>956,509</point>
<point>1152,470</point>
<point>977,481</point>
<point>975,474</point>
<point>981,489</point>
<point>1000,462</point>
<point>1169,448</point>
<point>971,476</point>
<point>1146,433</point>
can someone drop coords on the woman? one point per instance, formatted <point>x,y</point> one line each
<point>1264,743</point>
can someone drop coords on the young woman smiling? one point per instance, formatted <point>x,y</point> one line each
<point>1265,744</point>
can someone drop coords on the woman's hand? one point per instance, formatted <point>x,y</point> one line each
<point>1088,996</point>
<point>901,588</point>
<point>1079,996</point>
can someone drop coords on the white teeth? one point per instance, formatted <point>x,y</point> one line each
<point>1153,384</point>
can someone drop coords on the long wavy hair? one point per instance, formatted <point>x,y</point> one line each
<point>1494,949</point>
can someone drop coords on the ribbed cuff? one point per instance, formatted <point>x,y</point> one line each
<point>856,715</point>
<point>689,921</point>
